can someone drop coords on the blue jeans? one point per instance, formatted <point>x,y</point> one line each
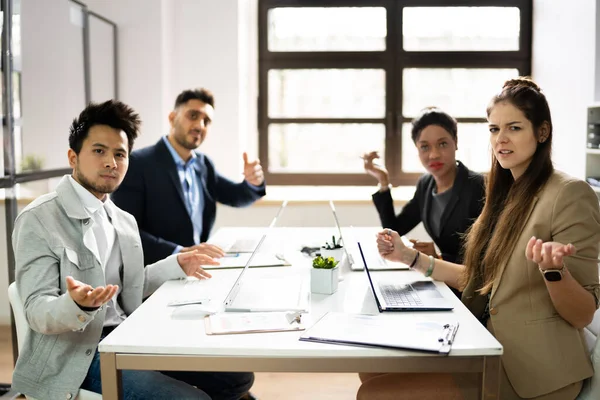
<point>145,385</point>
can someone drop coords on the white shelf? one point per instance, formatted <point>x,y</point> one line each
<point>592,151</point>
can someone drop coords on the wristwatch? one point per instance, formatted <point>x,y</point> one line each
<point>553,275</point>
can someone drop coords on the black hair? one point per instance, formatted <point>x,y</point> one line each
<point>113,113</point>
<point>201,94</point>
<point>433,116</point>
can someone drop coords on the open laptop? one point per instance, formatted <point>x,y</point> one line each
<point>247,243</point>
<point>377,262</point>
<point>412,296</point>
<point>270,294</point>
<point>263,295</point>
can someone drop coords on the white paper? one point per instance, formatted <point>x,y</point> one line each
<point>240,260</point>
<point>375,330</point>
<point>250,322</point>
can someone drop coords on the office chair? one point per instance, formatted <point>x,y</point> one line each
<point>21,328</point>
<point>591,386</point>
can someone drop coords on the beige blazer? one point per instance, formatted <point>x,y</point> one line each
<point>542,351</point>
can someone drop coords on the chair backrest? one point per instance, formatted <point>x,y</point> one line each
<point>18,312</point>
<point>591,388</point>
<point>21,328</point>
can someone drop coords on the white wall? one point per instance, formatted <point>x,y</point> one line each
<point>564,64</point>
<point>52,77</point>
<point>597,56</point>
<point>102,59</point>
<point>142,27</point>
<point>169,46</point>
<point>206,48</point>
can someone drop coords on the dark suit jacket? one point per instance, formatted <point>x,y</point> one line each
<point>152,193</point>
<point>465,205</point>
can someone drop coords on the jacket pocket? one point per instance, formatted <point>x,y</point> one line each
<point>546,320</point>
<point>81,261</point>
<point>43,349</point>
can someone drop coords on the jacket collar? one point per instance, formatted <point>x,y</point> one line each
<point>164,157</point>
<point>70,200</point>
<point>462,174</point>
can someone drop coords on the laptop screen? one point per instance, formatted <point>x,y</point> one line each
<point>339,228</point>
<point>238,282</point>
<point>362,255</point>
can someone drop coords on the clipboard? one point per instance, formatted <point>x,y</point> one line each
<point>252,322</point>
<point>378,331</point>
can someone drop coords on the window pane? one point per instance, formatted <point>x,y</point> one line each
<point>322,148</point>
<point>461,28</point>
<point>461,92</point>
<point>102,60</point>
<point>473,148</point>
<point>327,93</point>
<point>327,29</point>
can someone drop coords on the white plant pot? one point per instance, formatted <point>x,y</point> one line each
<point>324,281</point>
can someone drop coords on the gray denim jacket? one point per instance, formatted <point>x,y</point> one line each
<point>48,246</point>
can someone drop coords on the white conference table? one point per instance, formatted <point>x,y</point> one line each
<point>159,337</point>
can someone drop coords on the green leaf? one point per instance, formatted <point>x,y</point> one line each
<point>324,263</point>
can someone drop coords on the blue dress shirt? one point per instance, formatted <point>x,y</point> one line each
<point>192,191</point>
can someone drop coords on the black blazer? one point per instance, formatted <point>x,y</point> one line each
<point>152,193</point>
<point>465,205</point>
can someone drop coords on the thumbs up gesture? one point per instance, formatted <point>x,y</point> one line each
<point>253,172</point>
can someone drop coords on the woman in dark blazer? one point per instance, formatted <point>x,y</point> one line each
<point>448,198</point>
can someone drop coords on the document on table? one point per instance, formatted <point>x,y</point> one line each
<point>380,331</point>
<point>230,323</point>
<point>239,260</point>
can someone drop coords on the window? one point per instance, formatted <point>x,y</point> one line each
<point>341,77</point>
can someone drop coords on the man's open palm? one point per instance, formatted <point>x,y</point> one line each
<point>87,296</point>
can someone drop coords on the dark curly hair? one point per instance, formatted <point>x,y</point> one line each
<point>113,113</point>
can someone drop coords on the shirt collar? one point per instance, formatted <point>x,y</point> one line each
<point>176,157</point>
<point>90,202</point>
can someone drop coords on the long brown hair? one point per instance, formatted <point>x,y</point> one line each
<point>508,201</point>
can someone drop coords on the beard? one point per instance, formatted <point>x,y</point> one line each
<point>94,187</point>
<point>182,139</point>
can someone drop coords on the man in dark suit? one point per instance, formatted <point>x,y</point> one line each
<point>172,190</point>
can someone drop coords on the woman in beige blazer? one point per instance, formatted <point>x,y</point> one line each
<point>530,270</point>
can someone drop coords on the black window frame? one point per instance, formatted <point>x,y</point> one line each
<point>392,60</point>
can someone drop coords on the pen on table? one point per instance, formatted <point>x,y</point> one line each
<point>231,255</point>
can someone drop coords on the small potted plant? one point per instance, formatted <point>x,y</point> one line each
<point>324,275</point>
<point>333,249</point>
<point>33,163</point>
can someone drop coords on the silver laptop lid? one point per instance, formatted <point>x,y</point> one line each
<point>235,289</point>
<point>278,214</point>
<point>362,255</point>
<point>339,228</point>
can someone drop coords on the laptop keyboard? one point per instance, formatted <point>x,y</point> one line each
<point>404,296</point>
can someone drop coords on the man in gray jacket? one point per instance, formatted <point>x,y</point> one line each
<point>80,272</point>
